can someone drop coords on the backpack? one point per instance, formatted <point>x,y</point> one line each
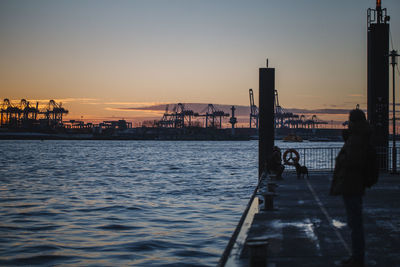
<point>372,167</point>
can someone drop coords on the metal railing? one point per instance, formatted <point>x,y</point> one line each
<point>324,158</point>
<point>385,157</point>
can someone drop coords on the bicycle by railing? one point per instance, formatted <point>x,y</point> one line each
<point>323,158</point>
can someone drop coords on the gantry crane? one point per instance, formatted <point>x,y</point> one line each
<point>284,118</point>
<point>253,110</point>
<point>211,115</point>
<point>54,113</point>
<point>178,118</point>
<point>23,115</point>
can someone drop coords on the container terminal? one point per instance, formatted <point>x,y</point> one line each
<point>24,120</point>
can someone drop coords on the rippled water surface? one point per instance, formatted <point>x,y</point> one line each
<point>116,203</point>
<point>121,203</point>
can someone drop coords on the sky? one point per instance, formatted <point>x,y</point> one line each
<point>102,58</point>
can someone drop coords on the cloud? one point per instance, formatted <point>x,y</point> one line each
<point>134,110</point>
<point>89,101</point>
<point>43,103</point>
<point>134,104</point>
<point>319,111</point>
<point>63,101</point>
<point>66,100</point>
<point>241,110</point>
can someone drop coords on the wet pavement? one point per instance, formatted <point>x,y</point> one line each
<point>307,227</point>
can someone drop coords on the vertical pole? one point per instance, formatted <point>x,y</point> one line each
<point>393,55</point>
<point>394,126</point>
<point>233,120</point>
<point>378,82</point>
<point>266,116</point>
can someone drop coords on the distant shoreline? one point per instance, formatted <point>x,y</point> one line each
<point>173,135</point>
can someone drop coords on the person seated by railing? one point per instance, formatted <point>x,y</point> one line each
<point>274,164</point>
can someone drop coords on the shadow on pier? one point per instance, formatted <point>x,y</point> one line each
<point>307,227</point>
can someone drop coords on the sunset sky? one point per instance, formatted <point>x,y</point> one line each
<point>101,57</point>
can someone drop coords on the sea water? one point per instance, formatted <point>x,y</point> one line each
<point>123,203</point>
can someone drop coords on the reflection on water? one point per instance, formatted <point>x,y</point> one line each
<point>121,203</point>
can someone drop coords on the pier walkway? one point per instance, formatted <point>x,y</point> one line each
<point>307,227</point>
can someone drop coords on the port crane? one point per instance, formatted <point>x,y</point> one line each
<point>283,118</point>
<point>181,117</point>
<point>253,110</point>
<point>166,121</point>
<point>178,118</point>
<point>25,115</point>
<point>54,113</point>
<point>10,114</point>
<point>29,113</point>
<point>212,115</point>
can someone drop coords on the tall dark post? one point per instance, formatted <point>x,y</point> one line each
<point>233,120</point>
<point>393,55</point>
<point>266,116</point>
<point>378,78</point>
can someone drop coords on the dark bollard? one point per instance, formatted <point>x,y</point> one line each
<point>258,252</point>
<point>268,200</point>
<point>271,187</point>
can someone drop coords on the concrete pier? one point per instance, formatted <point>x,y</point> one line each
<point>307,227</point>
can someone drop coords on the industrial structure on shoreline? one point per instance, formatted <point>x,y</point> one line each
<point>23,115</point>
<point>180,117</point>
